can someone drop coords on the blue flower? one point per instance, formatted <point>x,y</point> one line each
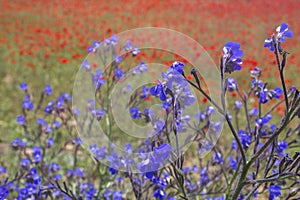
<point>159,90</point>
<point>160,194</point>
<point>232,56</point>
<point>135,51</point>
<point>41,122</point>
<point>262,121</point>
<point>238,105</point>
<point>210,110</point>
<point>37,154</point>
<point>113,171</point>
<point>21,119</point>
<point>98,113</point>
<point>232,162</point>
<point>134,111</point>
<point>85,65</point>
<point>173,75</point>
<point>119,73</point>
<point>118,59</point>
<point>18,143</point>
<point>282,33</point>
<point>98,79</point>
<point>281,146</point>
<point>231,84</point>
<point>56,124</point>
<point>27,104</point>
<point>145,92</point>
<point>2,170</point>
<point>177,66</point>
<point>217,157</point>
<point>263,97</point>
<point>204,179</point>
<point>161,153</point>
<point>253,112</point>
<point>200,116</point>
<point>55,166</point>
<point>128,45</point>
<point>113,39</point>
<point>23,86</point>
<point>48,90</point>
<point>25,163</point>
<point>245,138</point>
<point>96,45</point>
<point>276,92</point>
<point>274,191</point>
<point>159,126</point>
<point>50,142</point>
<point>165,105</point>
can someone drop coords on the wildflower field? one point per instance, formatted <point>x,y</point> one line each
<point>149,99</point>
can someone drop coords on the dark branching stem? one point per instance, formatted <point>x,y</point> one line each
<point>280,68</point>
<point>220,110</point>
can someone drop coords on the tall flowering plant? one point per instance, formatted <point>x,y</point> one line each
<point>260,161</point>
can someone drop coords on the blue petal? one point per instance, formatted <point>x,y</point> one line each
<point>283,27</point>
<point>289,34</point>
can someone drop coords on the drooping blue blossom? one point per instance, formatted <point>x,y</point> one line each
<point>274,191</point>
<point>21,119</point>
<point>255,73</point>
<point>253,112</point>
<point>96,45</point>
<point>50,142</point>
<point>134,111</point>
<point>113,39</point>
<point>232,162</point>
<point>173,76</point>
<point>217,158</point>
<point>37,154</point>
<point>200,116</point>
<point>56,124</point>
<point>135,51</point>
<point>142,67</point>
<point>128,45</point>
<point>276,92</point>
<point>160,194</point>
<point>55,166</point>
<point>232,56</point>
<point>2,170</point>
<point>48,109</point>
<point>18,143</point>
<point>245,138</point>
<point>159,90</point>
<point>98,79</point>
<point>25,162</point>
<point>263,120</point>
<point>263,97</point>
<point>27,104</point>
<point>231,84</point>
<point>158,127</point>
<point>145,92</point>
<point>210,110</point>
<point>118,59</point>
<point>281,146</point>
<point>98,113</point>
<point>237,105</point>
<point>85,65</point>
<point>204,178</point>
<point>161,153</point>
<point>177,66</point>
<point>48,90</point>
<point>41,122</point>
<point>23,86</point>
<point>119,73</point>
